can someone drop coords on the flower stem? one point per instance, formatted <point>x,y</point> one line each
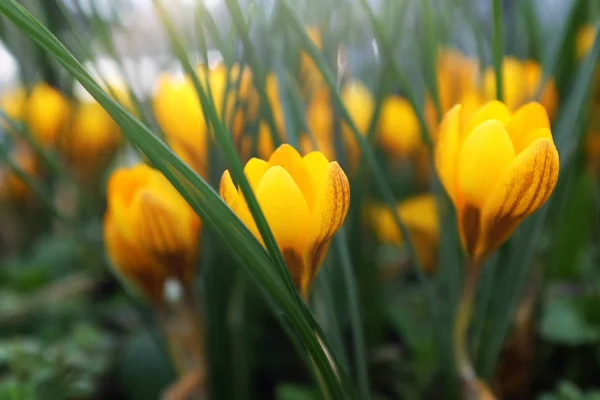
<point>461,324</point>
<point>180,322</point>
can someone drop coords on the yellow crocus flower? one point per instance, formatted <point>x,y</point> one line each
<point>92,139</point>
<point>272,89</point>
<point>360,105</point>
<point>151,234</point>
<point>520,84</point>
<point>457,84</point>
<point>310,75</point>
<point>498,168</point>
<point>17,190</point>
<point>585,40</point>
<point>225,100</point>
<point>592,152</point>
<point>319,118</point>
<point>420,216</point>
<point>264,146</point>
<point>13,103</point>
<point>398,131</point>
<point>305,201</point>
<point>179,113</point>
<point>46,112</point>
<point>456,75</point>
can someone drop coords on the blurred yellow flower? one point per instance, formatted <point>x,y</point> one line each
<point>456,75</point>
<point>305,201</point>
<point>398,130</point>
<point>521,79</point>
<point>178,112</point>
<point>360,105</point>
<point>585,40</point>
<point>13,103</point>
<point>310,75</point>
<point>151,234</point>
<point>272,88</point>
<point>225,99</point>
<point>457,84</point>
<point>264,143</point>
<point>91,140</point>
<point>319,117</point>
<point>46,113</point>
<point>592,152</point>
<point>420,216</point>
<point>14,188</point>
<point>497,169</point>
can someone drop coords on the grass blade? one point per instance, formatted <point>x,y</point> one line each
<point>203,199</point>
<point>498,47</point>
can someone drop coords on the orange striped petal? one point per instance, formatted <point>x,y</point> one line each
<point>329,212</point>
<point>524,187</point>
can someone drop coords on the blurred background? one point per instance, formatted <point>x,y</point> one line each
<point>70,326</point>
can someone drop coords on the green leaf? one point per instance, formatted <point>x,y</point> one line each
<point>563,322</point>
<point>203,199</point>
<point>295,392</point>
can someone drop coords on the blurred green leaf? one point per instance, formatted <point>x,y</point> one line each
<point>143,368</point>
<point>295,392</point>
<point>562,321</point>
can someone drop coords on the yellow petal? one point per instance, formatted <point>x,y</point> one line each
<point>485,155</point>
<point>398,127</point>
<point>329,212</point>
<point>230,195</point>
<point>316,164</point>
<point>164,229</point>
<point>131,263</point>
<point>285,208</point>
<point>288,158</point>
<point>491,110</point>
<point>524,187</point>
<point>447,150</point>
<point>254,170</point>
<point>525,122</point>
<point>420,214</point>
<point>382,220</point>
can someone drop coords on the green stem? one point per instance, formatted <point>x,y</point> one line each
<point>180,322</point>
<point>498,47</point>
<point>461,324</point>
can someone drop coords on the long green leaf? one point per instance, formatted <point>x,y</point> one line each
<point>498,47</point>
<point>201,197</point>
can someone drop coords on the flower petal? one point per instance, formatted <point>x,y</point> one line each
<point>230,195</point>
<point>131,263</point>
<point>316,164</point>
<point>288,158</point>
<point>491,110</point>
<point>254,170</point>
<point>485,155</point>
<point>285,209</point>
<point>446,151</point>
<point>524,187</point>
<point>526,120</point>
<point>329,212</point>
